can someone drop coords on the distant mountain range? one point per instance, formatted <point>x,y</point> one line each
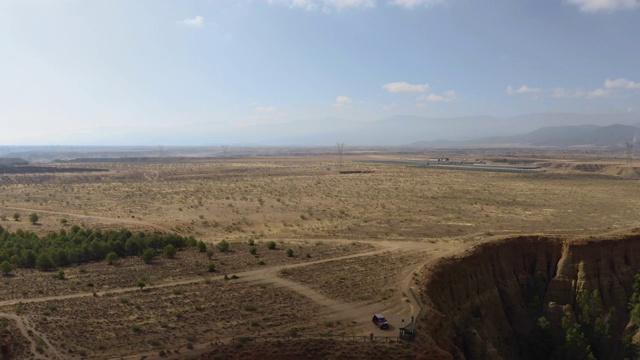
<point>401,130</point>
<point>397,130</point>
<point>540,129</point>
<point>615,135</point>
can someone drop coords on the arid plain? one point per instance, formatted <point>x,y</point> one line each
<point>346,246</point>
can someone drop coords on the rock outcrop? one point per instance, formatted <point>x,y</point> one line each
<point>518,298</point>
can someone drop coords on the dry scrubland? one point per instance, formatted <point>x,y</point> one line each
<point>294,198</point>
<point>301,205</point>
<point>371,279</point>
<point>167,318</point>
<point>99,276</point>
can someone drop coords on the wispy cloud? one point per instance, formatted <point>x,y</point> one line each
<point>524,89</point>
<point>325,5</point>
<point>342,4</point>
<point>410,4</point>
<point>266,109</point>
<point>390,106</point>
<point>447,96</point>
<point>562,93</point>
<point>342,101</point>
<point>621,83</point>
<point>328,6</point>
<point>196,22</point>
<point>598,93</point>
<point>612,88</point>
<point>404,87</point>
<point>592,6</point>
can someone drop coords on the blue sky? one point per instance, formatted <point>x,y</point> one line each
<point>83,72</point>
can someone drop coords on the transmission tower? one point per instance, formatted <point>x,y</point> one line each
<point>630,155</point>
<point>225,150</point>
<point>340,153</point>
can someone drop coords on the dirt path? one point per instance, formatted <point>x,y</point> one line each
<point>36,339</point>
<point>106,219</point>
<point>334,309</point>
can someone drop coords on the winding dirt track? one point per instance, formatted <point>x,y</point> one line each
<point>395,308</point>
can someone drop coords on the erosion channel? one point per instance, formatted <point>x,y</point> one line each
<point>536,297</point>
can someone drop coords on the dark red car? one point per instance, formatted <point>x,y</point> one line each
<point>380,321</point>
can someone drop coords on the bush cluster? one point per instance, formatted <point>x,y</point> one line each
<point>27,250</point>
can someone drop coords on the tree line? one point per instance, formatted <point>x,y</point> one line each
<point>28,250</point>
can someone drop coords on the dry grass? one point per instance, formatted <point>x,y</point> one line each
<point>169,318</point>
<point>99,276</point>
<point>370,280</point>
<point>298,204</point>
<point>296,199</point>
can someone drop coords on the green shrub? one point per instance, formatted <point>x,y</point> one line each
<point>201,246</point>
<point>148,255</point>
<point>169,251</point>
<point>253,250</point>
<point>111,258</point>
<point>6,267</point>
<point>33,218</point>
<point>290,252</point>
<point>250,307</point>
<point>271,245</point>
<point>223,246</point>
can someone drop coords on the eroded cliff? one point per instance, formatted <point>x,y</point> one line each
<point>533,297</point>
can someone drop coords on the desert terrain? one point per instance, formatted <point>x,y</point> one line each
<point>313,253</point>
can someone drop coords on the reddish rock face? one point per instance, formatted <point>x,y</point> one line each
<point>487,303</point>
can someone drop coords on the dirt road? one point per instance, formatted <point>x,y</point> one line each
<point>400,306</point>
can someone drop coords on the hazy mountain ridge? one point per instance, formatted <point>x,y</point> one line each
<point>558,136</point>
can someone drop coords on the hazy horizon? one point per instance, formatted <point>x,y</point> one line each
<point>279,71</point>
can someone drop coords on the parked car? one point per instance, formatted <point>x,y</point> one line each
<point>380,321</point>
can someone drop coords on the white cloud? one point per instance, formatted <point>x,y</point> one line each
<point>410,4</point>
<point>325,5</point>
<point>305,4</point>
<point>598,93</point>
<point>621,83</point>
<point>620,87</point>
<point>390,106</point>
<point>341,4</point>
<point>266,109</point>
<point>447,96</point>
<point>196,22</point>
<point>604,5</point>
<point>562,93</point>
<point>524,89</point>
<point>401,86</point>
<point>342,101</point>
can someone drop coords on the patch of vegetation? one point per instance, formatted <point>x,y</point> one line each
<point>26,249</point>
<point>111,258</point>
<point>223,246</point>
<point>148,255</point>
<point>169,251</point>
<point>33,218</point>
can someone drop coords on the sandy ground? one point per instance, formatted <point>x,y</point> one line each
<point>361,243</point>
